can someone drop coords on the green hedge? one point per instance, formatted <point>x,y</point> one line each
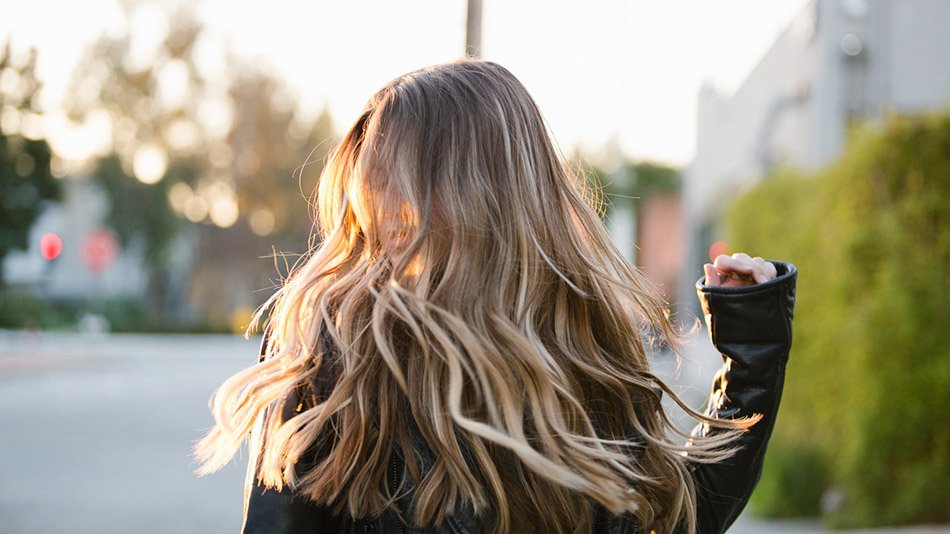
<point>867,396</point>
<point>19,308</point>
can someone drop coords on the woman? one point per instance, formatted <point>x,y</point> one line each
<point>463,351</point>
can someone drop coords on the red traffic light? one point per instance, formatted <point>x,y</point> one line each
<point>50,246</point>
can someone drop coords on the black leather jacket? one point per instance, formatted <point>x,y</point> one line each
<point>750,326</point>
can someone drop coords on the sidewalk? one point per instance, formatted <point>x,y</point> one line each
<point>746,524</point>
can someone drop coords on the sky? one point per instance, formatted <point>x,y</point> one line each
<point>607,74</point>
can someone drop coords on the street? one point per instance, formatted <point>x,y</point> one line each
<point>98,433</point>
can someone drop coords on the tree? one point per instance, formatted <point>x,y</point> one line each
<point>215,154</point>
<point>26,181</point>
<point>278,154</point>
<point>275,156</point>
<point>157,140</point>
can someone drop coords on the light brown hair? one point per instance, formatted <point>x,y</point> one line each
<point>468,284</point>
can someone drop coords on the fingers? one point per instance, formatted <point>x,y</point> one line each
<point>735,271</point>
<point>734,263</point>
<point>766,267</point>
<point>712,276</point>
<point>739,270</point>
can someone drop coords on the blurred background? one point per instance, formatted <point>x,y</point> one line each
<point>157,160</point>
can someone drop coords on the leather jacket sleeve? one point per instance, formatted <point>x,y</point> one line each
<point>752,328</point>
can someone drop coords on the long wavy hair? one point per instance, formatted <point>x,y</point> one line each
<point>464,281</point>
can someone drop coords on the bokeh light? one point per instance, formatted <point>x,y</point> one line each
<point>11,83</point>
<point>178,196</point>
<point>149,164</point>
<point>31,126</point>
<point>217,116</point>
<point>9,119</point>
<point>221,155</point>
<point>196,209</point>
<point>58,167</point>
<point>182,135</point>
<point>223,211</point>
<point>172,87</point>
<point>262,222</point>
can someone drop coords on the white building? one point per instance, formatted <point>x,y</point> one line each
<point>838,61</point>
<point>82,211</point>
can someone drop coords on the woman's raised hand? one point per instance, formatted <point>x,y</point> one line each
<point>738,270</point>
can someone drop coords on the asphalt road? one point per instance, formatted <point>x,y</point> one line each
<point>97,434</point>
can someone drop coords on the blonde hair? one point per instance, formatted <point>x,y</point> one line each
<point>504,324</point>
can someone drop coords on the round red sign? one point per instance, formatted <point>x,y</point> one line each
<point>99,249</point>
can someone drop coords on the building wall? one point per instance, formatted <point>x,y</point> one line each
<point>796,104</point>
<point>660,257</point>
<point>917,67</point>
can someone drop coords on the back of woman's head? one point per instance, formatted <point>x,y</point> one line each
<point>465,283</point>
<point>457,157</point>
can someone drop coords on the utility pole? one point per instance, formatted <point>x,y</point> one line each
<point>473,29</point>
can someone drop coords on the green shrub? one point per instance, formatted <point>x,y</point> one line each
<point>794,470</point>
<point>19,309</point>
<point>868,385</point>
